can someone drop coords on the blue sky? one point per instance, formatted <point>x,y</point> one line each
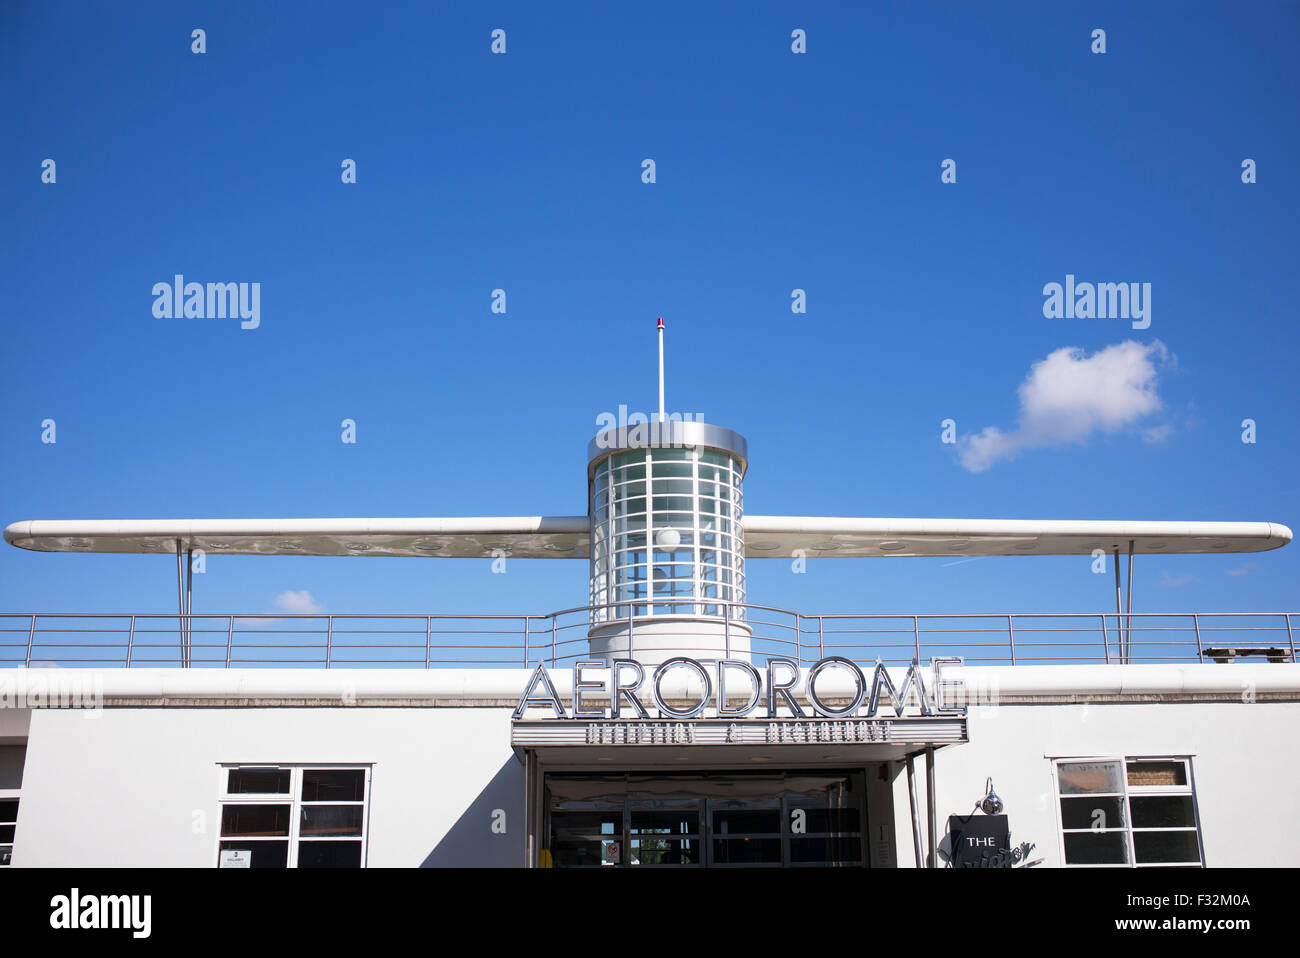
<point>774,171</point>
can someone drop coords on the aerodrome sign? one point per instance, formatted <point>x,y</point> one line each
<point>774,687</point>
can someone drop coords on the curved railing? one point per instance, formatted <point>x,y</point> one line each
<point>228,640</point>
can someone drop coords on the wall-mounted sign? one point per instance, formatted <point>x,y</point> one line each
<point>909,730</point>
<point>984,841</point>
<point>236,858</point>
<point>621,683</point>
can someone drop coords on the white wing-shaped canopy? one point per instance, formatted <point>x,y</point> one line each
<point>525,537</point>
<point>566,537</point>
<point>845,536</point>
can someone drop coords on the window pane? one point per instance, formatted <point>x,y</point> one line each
<point>747,851</point>
<point>6,854</point>
<point>1080,778</point>
<point>329,854</point>
<point>12,758</point>
<point>6,833</point>
<point>1100,813</point>
<point>674,468</point>
<point>1096,848</point>
<point>568,824</point>
<point>1161,811</point>
<point>254,820</point>
<point>264,781</point>
<point>8,809</point>
<point>1157,773</point>
<point>331,820</point>
<point>673,487</point>
<point>580,853</point>
<point>333,784</point>
<point>747,821</point>
<point>262,854</point>
<point>665,822</point>
<point>665,851</point>
<point>835,849</point>
<point>828,819</point>
<point>1166,847</point>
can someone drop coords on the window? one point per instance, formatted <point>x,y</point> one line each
<point>282,816</point>
<point>666,528</point>
<point>12,758</point>
<point>1122,812</point>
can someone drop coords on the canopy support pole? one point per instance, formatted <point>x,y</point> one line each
<point>930,810</point>
<point>1128,628</point>
<point>916,812</point>
<point>1119,611</point>
<point>189,603</point>
<point>180,599</point>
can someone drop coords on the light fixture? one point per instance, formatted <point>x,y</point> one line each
<point>668,538</point>
<point>990,804</point>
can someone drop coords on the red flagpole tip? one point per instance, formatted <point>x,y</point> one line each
<point>661,323</point>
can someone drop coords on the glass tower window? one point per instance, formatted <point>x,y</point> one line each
<point>666,533</point>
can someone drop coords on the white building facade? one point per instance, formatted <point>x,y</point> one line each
<point>669,723</point>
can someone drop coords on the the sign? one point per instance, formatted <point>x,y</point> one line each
<point>910,730</point>
<point>621,685</point>
<point>984,841</point>
<point>236,858</point>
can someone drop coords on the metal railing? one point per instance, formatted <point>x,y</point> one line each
<point>146,640</point>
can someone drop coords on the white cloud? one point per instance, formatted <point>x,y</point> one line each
<point>297,602</point>
<point>1176,580</point>
<point>1243,570</point>
<point>1069,396</point>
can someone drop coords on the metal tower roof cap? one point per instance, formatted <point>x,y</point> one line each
<point>669,433</point>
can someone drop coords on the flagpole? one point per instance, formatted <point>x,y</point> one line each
<point>662,417</point>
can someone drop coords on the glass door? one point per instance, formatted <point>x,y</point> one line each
<point>790,818</point>
<point>586,818</point>
<point>665,831</point>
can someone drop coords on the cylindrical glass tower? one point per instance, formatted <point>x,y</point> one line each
<point>667,542</point>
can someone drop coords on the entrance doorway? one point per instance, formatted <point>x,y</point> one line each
<point>792,818</point>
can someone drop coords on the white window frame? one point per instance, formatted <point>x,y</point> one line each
<point>7,794</point>
<point>293,798</point>
<point>16,794</point>
<point>1130,791</point>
